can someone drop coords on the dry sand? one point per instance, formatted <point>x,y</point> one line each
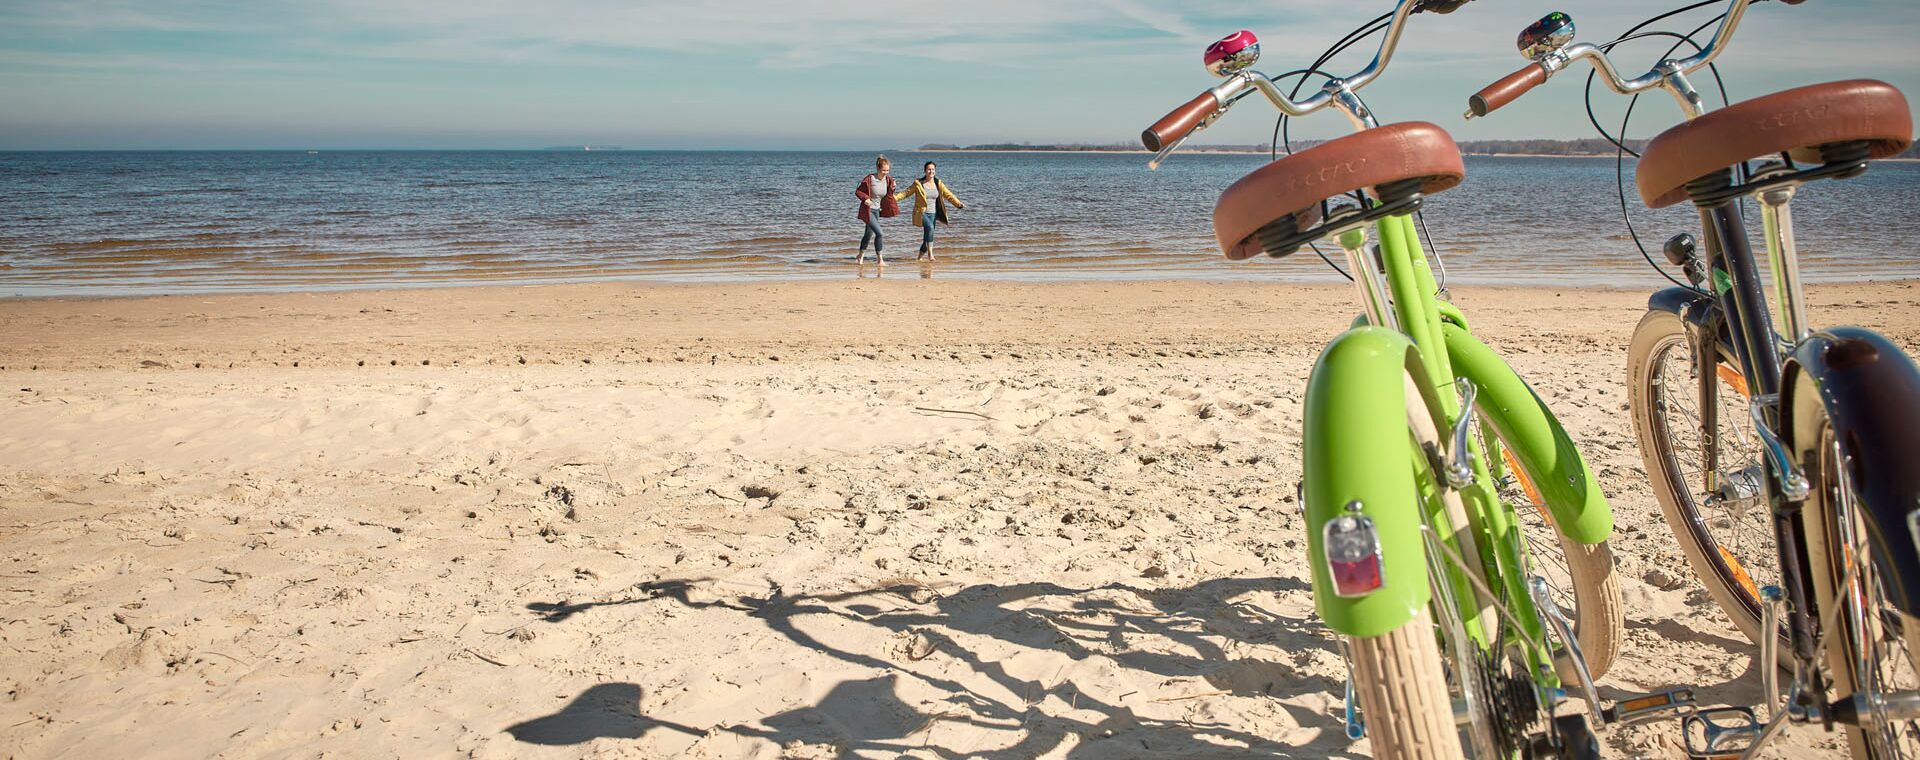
<point>727,521</point>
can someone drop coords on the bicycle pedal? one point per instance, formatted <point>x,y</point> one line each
<point>1669,703</point>
<point>1720,733</point>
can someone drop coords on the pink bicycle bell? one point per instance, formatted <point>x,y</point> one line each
<point>1232,54</point>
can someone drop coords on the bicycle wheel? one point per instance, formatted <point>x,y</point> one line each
<point>1580,577</point>
<point>1873,646</point>
<point>1405,679</point>
<point>1714,498</point>
<point>1399,676</point>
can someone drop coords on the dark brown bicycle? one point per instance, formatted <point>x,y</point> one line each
<point>1783,456</point>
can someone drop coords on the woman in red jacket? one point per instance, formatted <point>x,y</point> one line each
<point>876,202</point>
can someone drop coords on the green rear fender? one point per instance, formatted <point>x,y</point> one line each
<point>1536,438</point>
<point>1358,449</point>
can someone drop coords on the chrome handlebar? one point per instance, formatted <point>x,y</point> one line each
<point>1668,73</point>
<point>1336,92</point>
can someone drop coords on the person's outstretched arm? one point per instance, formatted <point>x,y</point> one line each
<point>948,194</point>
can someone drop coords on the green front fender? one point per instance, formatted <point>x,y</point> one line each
<point>1358,449</point>
<point>1536,438</point>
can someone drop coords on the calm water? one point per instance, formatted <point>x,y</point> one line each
<point>175,222</point>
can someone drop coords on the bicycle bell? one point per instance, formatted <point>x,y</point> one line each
<point>1233,54</point>
<point>1552,32</point>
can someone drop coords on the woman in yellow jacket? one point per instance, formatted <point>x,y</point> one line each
<point>923,189</point>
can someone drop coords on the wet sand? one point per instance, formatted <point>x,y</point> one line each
<point>924,518</point>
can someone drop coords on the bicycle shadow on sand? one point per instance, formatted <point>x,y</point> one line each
<point>956,686</point>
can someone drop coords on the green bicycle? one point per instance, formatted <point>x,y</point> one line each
<point>1457,538</point>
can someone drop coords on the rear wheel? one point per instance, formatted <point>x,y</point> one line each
<point>1873,647</point>
<point>1401,683</point>
<point>1711,488</point>
<point>1405,680</point>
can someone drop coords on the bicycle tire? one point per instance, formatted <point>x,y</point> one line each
<point>1726,565</point>
<point>1400,674</point>
<point>1599,616</point>
<point>1858,630</point>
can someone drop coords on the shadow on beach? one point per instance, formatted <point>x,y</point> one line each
<point>870,718</point>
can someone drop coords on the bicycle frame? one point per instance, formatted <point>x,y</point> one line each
<point>1434,522</point>
<point>1872,400</point>
<point>1735,322</point>
<point>1408,332</point>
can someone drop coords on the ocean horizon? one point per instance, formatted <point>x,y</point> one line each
<point>150,222</point>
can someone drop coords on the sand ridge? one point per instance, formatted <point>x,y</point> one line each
<point>938,519</point>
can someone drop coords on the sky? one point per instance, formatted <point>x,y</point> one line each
<point>816,74</point>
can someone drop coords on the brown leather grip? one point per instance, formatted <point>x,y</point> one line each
<point>1509,88</point>
<point>1170,128</point>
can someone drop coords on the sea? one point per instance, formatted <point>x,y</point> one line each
<point>176,222</point>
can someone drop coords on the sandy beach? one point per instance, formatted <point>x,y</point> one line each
<point>821,519</point>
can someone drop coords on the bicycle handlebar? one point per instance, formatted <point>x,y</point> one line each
<point>1166,134</point>
<point>1508,89</point>
<point>1180,122</point>
<point>1518,83</point>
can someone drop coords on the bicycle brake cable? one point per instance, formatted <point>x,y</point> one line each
<point>1281,124</point>
<point>1282,135</point>
<point>1621,150</point>
<point>1591,119</point>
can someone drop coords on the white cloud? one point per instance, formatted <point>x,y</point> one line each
<point>1077,70</point>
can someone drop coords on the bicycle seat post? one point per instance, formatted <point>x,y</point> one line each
<point>1776,216</point>
<point>1367,276</point>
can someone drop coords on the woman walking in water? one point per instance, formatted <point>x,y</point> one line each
<point>929,186</point>
<point>877,201</point>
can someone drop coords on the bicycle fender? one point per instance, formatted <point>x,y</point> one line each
<point>1685,302</point>
<point>1870,390</point>
<point>1359,450</point>
<point>1537,439</point>
<point>1698,310</point>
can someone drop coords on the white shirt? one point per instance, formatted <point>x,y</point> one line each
<point>876,190</point>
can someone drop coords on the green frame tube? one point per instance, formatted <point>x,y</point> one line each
<point>1356,423</point>
<point>1538,441</point>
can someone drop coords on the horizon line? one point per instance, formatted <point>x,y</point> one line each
<point>996,147</point>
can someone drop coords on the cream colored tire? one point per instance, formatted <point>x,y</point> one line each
<point>1658,333</point>
<point>1402,688</point>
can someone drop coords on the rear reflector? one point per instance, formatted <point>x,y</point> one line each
<point>1353,555</point>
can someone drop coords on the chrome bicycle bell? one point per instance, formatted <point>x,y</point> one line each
<point>1233,54</point>
<point>1552,32</point>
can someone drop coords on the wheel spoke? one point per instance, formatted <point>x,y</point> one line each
<point>1882,662</point>
<point>1735,518</point>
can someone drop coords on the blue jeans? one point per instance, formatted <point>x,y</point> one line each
<point>926,230</point>
<point>873,231</point>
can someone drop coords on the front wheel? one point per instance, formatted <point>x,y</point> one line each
<point>1703,458</point>
<point>1580,577</point>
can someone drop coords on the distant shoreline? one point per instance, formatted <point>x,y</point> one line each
<point>1263,153</point>
<point>1256,153</point>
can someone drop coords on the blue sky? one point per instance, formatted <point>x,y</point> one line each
<point>816,74</point>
